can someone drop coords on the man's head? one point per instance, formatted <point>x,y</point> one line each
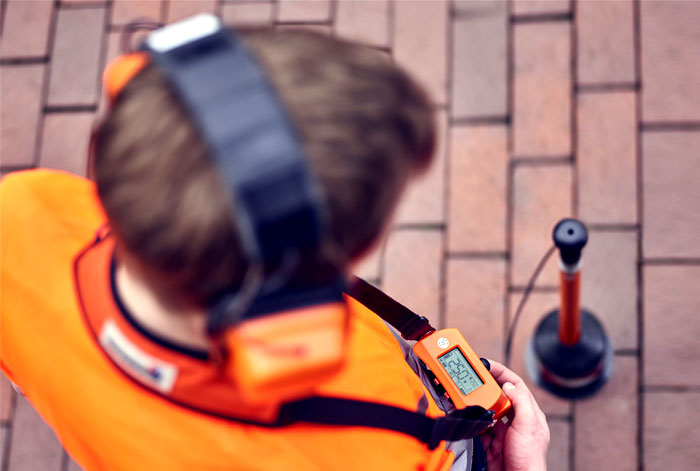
<point>365,125</point>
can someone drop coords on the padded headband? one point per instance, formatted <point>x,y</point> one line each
<point>246,129</point>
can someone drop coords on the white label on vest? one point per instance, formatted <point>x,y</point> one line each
<point>136,362</point>
<point>443,342</point>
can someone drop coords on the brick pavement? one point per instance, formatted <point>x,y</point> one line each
<point>546,109</point>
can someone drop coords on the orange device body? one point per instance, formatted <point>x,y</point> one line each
<point>467,384</point>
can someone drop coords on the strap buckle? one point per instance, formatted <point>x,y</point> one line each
<point>415,328</point>
<point>460,424</point>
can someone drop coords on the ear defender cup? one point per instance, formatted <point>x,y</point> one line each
<point>121,70</point>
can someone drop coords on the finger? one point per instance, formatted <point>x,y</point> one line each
<point>502,374</point>
<point>523,403</point>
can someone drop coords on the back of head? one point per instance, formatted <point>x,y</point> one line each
<point>365,125</point>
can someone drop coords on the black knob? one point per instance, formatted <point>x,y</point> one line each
<point>570,236</point>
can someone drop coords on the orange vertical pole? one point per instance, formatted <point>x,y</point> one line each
<point>569,310</point>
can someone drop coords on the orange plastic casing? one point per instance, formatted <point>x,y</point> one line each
<point>283,356</point>
<point>489,395</point>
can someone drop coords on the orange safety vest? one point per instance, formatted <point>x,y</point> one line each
<point>105,422</point>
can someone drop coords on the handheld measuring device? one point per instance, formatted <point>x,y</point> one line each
<point>459,371</point>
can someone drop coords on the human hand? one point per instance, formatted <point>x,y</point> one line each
<point>522,444</point>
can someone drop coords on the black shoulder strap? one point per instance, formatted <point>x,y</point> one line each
<point>411,325</point>
<point>458,425</point>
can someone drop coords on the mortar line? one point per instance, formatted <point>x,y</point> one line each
<point>542,161</point>
<point>640,221</point>
<point>20,61</point>
<point>447,169</point>
<point>670,261</point>
<point>613,227</point>
<point>660,389</point>
<point>487,254</point>
<point>666,126</point>
<point>606,87</point>
<point>541,17</point>
<point>480,120</point>
<point>510,172</point>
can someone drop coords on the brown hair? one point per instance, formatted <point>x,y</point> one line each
<point>365,124</point>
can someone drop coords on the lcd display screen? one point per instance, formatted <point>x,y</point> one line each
<point>460,371</point>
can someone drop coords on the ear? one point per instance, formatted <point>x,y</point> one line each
<point>120,71</point>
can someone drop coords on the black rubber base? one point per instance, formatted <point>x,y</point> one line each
<point>570,371</point>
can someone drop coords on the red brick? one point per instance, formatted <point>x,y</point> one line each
<point>542,89</point>
<point>33,444</point>
<point>478,174</point>
<point>65,142</point>
<point>609,284</point>
<point>537,7</point>
<point>75,64</point>
<point>7,398</point>
<point>670,438</point>
<point>179,9</point>
<point>126,11</point>
<point>479,61</point>
<point>475,303</point>
<point>363,21</point>
<point>607,157</point>
<point>369,267</point>
<point>541,198</point>
<point>21,106</point>
<point>671,327</point>
<point>606,423</point>
<point>26,28</point>
<point>424,54</point>
<point>605,42</point>
<point>304,10</point>
<point>412,270</point>
<point>239,13</point>
<point>558,453</point>
<point>670,63</point>
<point>536,307</point>
<point>671,163</point>
<point>424,200</point>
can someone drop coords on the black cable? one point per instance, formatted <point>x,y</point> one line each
<point>139,24</point>
<point>526,294</point>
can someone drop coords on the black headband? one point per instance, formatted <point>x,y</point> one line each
<point>258,154</point>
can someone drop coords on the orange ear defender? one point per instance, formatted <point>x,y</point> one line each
<point>286,354</point>
<point>120,71</point>
<point>278,341</point>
